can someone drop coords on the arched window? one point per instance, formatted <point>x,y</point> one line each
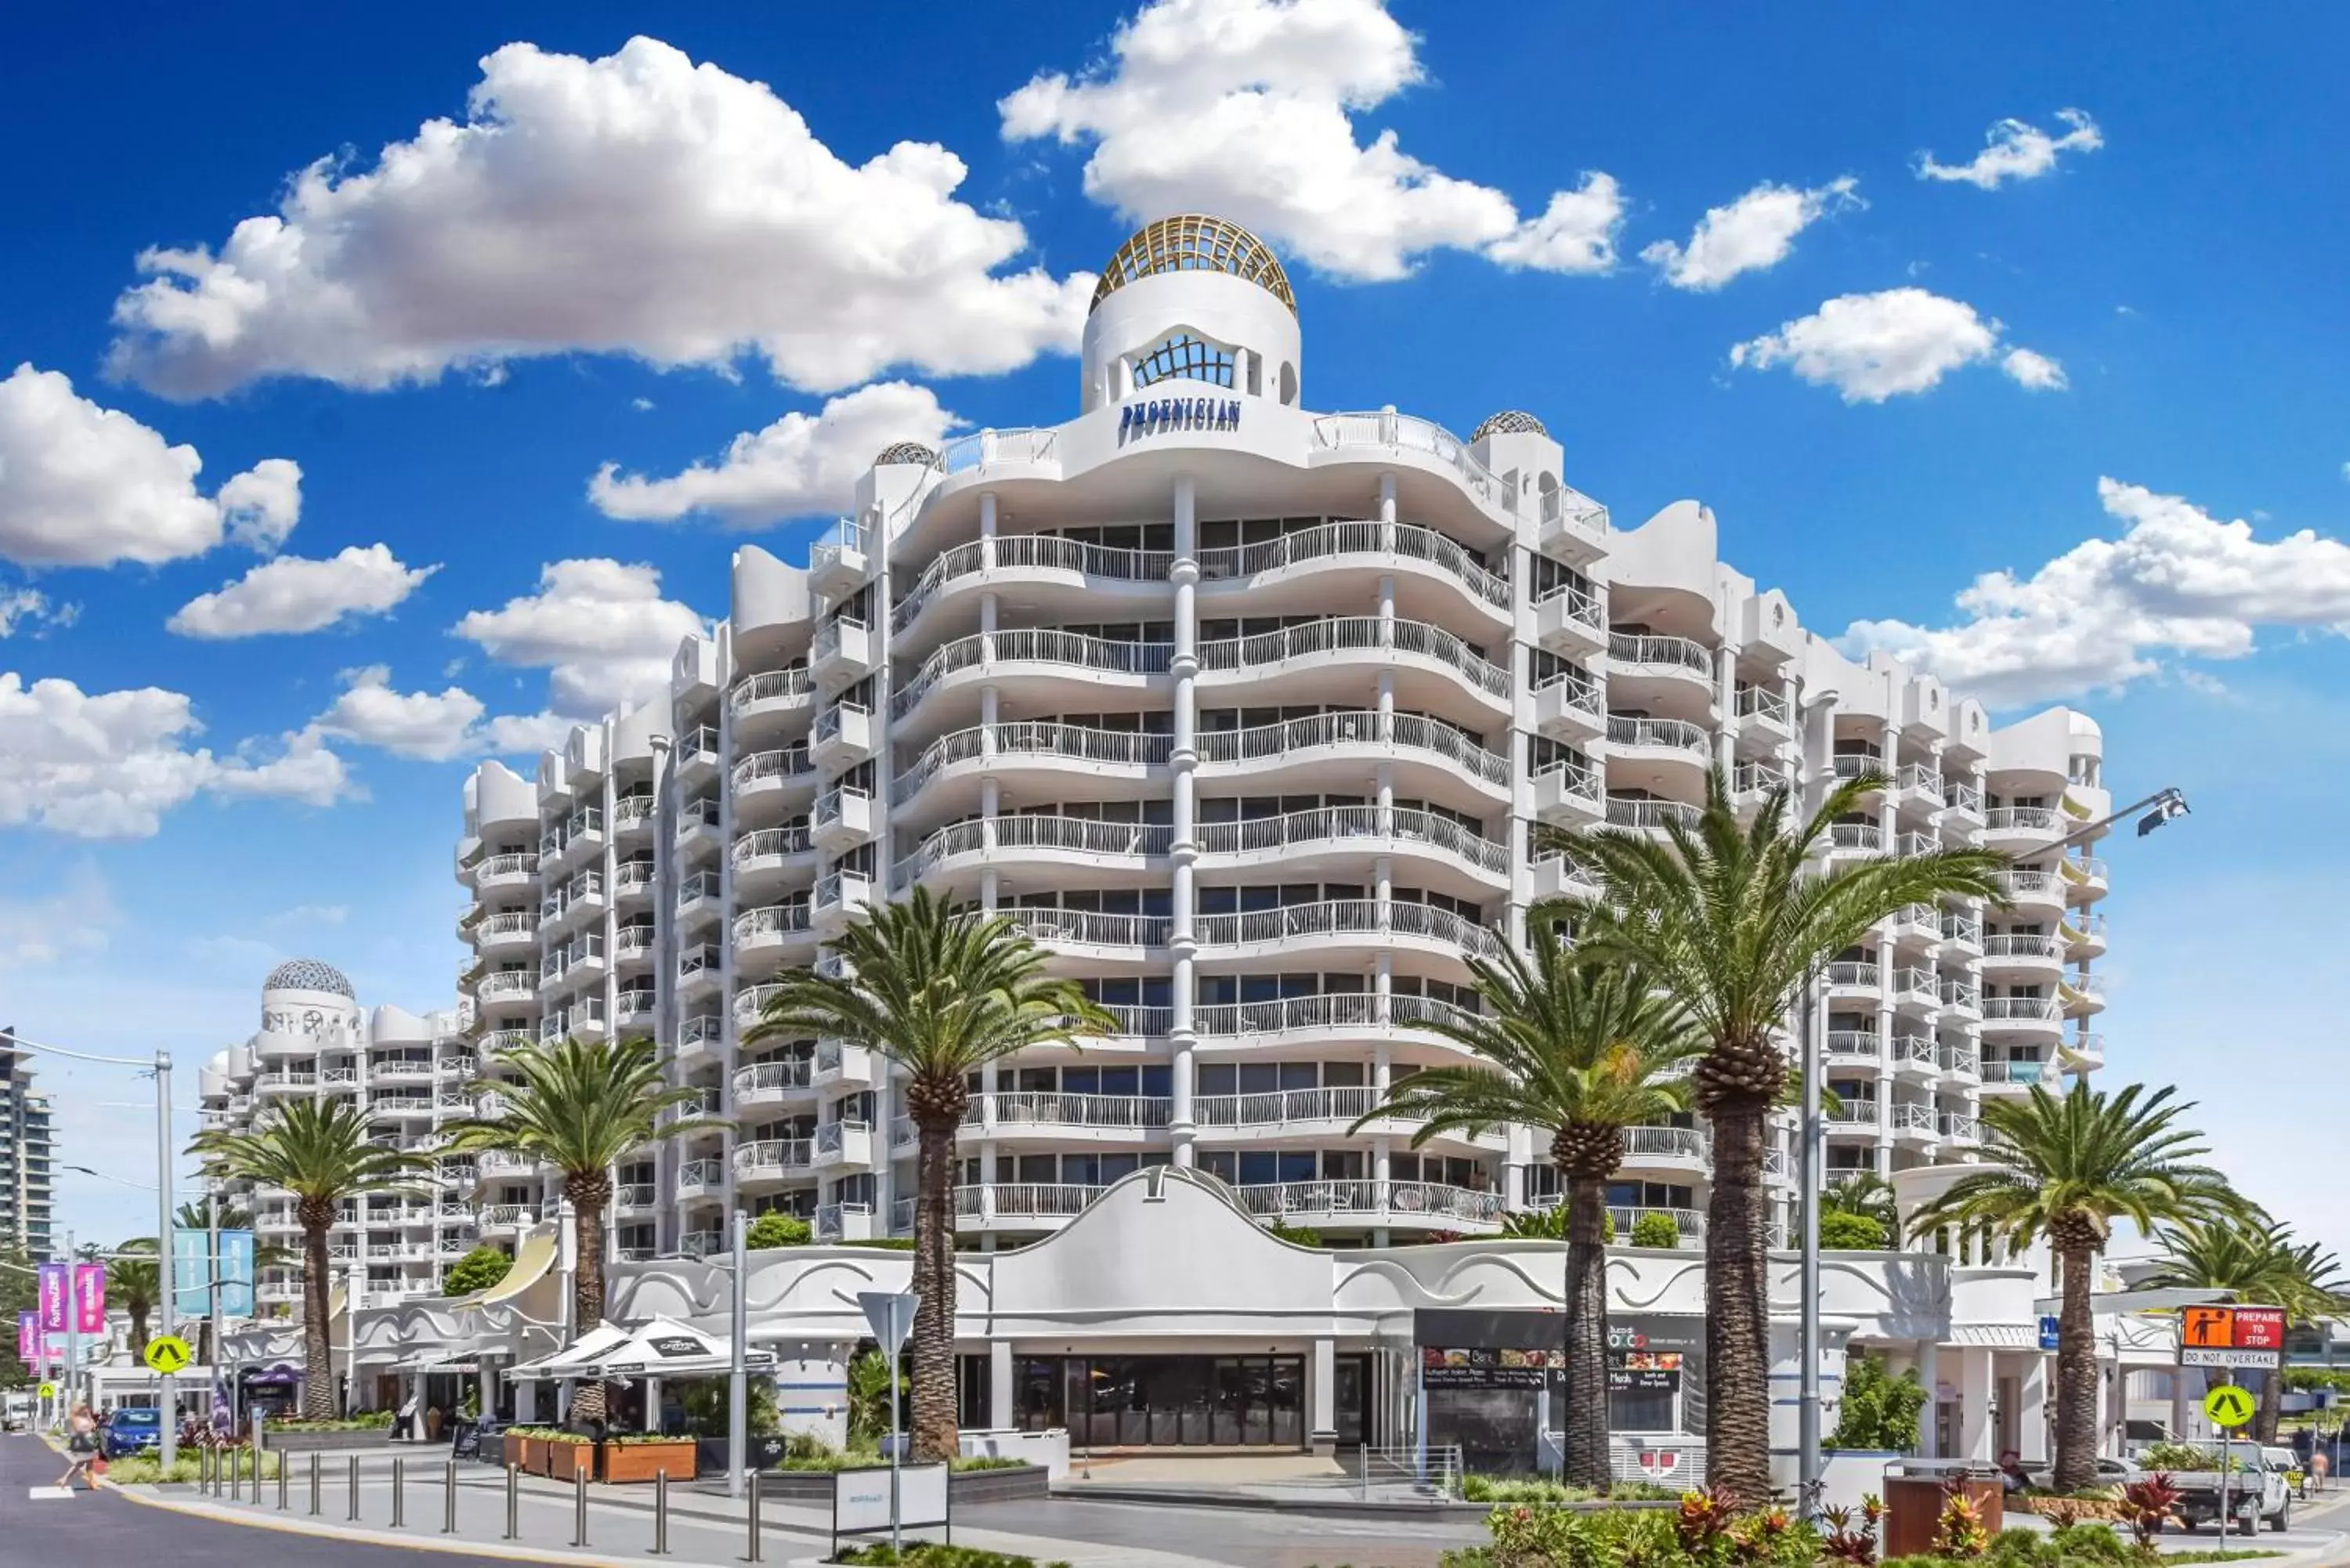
<point>1185,357</point>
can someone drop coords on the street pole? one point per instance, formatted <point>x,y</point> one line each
<point>738,1377</point>
<point>167,1390</point>
<point>212,1334</point>
<point>1814,1179</point>
<point>73,1335</point>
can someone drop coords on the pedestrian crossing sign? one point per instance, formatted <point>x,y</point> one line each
<point>2228,1406</point>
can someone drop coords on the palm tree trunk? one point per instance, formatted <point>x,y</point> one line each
<point>1586,1416</point>
<point>1738,1305</point>
<point>138,1333</point>
<point>317,1217</point>
<point>589,1192</point>
<point>2264,1421</point>
<point>934,1281</point>
<point>2076,1366</point>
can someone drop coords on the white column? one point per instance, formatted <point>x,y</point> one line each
<point>1929,1373</point>
<point>1388,499</point>
<point>1323,1390</point>
<point>1184,849</point>
<point>987,531</point>
<point>2032,1417</point>
<point>1976,1391</point>
<point>1000,1394</point>
<point>1382,1072</point>
<point>1725,733</point>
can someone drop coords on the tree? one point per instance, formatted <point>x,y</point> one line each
<point>17,1292</point>
<point>1843,1231</point>
<point>2067,1167</point>
<point>942,993</point>
<point>776,1230</point>
<point>478,1270</point>
<point>1878,1411</point>
<point>196,1214</point>
<point>1731,921</point>
<point>581,1108</point>
<point>1865,1193</point>
<point>135,1283</point>
<point>1581,1051</point>
<point>319,1151</point>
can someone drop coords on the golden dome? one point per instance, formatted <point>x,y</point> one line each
<point>1195,242</point>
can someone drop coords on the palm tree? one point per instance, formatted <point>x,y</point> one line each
<point>2067,1167</point>
<point>1730,922</point>
<point>1581,1051</point>
<point>135,1282</point>
<point>2258,1263</point>
<point>581,1108</point>
<point>941,993</point>
<point>1868,1194</point>
<point>319,1151</point>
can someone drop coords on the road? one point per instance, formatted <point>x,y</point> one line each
<point>103,1527</point>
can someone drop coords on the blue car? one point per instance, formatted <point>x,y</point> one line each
<point>130,1431</point>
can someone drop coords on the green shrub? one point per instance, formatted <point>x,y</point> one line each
<point>476,1270</point>
<point>362,1421</point>
<point>2177,1456</point>
<point>884,1243</point>
<point>1879,1411</point>
<point>1295,1235</point>
<point>1519,1489</point>
<point>146,1470</point>
<point>1657,1230</point>
<point>777,1230</point>
<point>1843,1233</point>
<point>929,1554</point>
<point>2090,1542</point>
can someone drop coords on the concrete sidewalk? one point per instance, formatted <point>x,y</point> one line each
<point>704,1531</point>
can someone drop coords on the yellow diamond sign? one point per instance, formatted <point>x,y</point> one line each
<point>2228,1406</point>
<point>168,1353</point>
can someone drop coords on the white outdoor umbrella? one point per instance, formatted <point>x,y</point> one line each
<point>668,1348</point>
<point>577,1359</point>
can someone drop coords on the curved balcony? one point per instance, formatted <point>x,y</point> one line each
<point>757,701</point>
<point>1326,660</point>
<point>1642,814</point>
<point>1852,977</point>
<point>2032,889</point>
<point>2082,995</point>
<point>765,857</point>
<point>1089,844</point>
<point>505,1220</point>
<point>515,870</point>
<point>773,1082</point>
<point>1432,760</point>
<point>511,932</point>
<point>787,773</point>
<point>2083,934</point>
<point>1058,1119</point>
<point>1087,933</point>
<point>944,780</point>
<point>1345,1017</point>
<point>267,1084</point>
<point>1856,839</point>
<point>771,1162</point>
<point>766,931</point>
<point>1640,660</point>
<point>1675,749</point>
<point>1571,618</point>
<point>1056,670</point>
<point>1689,1224</point>
<point>698,1178</point>
<point>1433,573</point>
<point>2022,951</point>
<point>1388,438</point>
<point>507,986</point>
<point>1294,928</point>
<point>2019,1076</point>
<point>1052,576</point>
<point>750,1006</point>
<point>2016,829</point>
<point>1673,1152</point>
<point>1336,838</point>
<point>2085,879</point>
<point>1284,1113</point>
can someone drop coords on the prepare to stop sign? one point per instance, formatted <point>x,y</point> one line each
<point>2230,1336</point>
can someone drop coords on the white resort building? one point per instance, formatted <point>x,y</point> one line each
<point>1250,715</point>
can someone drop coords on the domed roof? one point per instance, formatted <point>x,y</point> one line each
<point>1509,421</point>
<point>911,451</point>
<point>1194,241</point>
<point>309,974</point>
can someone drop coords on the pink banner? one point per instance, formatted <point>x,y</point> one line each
<point>28,1338</point>
<point>55,1287</point>
<point>89,1297</point>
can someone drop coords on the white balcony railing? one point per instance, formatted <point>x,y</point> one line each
<point>1031,1109</point>
<point>1349,634</point>
<point>1669,734</point>
<point>1342,538</point>
<point>1089,927</point>
<point>1638,651</point>
<point>770,686</point>
<point>1284,1107</point>
<point>1641,813</point>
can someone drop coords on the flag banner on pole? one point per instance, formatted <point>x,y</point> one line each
<point>192,1273</point>
<point>236,1274</point>
<point>28,1337</point>
<point>55,1289</point>
<point>89,1297</point>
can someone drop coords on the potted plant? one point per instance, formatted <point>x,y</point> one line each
<point>642,1456</point>
<point>517,1445</point>
<point>570,1453</point>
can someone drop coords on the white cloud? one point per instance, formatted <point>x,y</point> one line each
<point>82,485</point>
<point>599,628</point>
<point>803,463</point>
<point>292,594</point>
<point>310,915</point>
<point>109,764</point>
<point>2177,582</point>
<point>75,917</point>
<point>638,203</point>
<point>1872,347</point>
<point>2015,150</point>
<point>30,610</point>
<point>2036,372</point>
<point>1755,232</point>
<point>431,728</point>
<point>1245,109</point>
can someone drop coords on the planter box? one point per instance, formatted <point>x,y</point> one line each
<point>643,1461</point>
<point>563,1461</point>
<point>814,1489</point>
<point>516,1451</point>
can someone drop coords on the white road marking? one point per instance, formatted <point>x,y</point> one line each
<point>48,1491</point>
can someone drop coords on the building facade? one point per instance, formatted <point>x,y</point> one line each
<point>1255,717</point>
<point>27,1148</point>
<point>409,1074</point>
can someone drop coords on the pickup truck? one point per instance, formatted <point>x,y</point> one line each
<point>2257,1493</point>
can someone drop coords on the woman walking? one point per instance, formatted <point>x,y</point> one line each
<point>81,1448</point>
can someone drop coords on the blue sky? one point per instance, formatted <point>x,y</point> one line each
<point>1889,364</point>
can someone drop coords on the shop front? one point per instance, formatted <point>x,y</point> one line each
<point>1493,1383</point>
<point>1184,1401</point>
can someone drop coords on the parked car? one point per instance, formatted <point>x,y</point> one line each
<point>2291,1466</point>
<point>2110,1472</point>
<point>129,1429</point>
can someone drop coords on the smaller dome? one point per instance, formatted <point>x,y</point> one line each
<point>1509,421</point>
<point>309,974</point>
<point>911,451</point>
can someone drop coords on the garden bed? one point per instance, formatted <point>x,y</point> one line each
<point>998,1483</point>
<point>640,1459</point>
